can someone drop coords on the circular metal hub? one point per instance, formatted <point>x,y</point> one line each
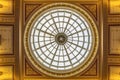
<point>61,38</point>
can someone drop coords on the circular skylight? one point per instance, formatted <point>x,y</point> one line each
<point>61,39</point>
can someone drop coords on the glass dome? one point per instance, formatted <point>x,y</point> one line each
<point>59,39</point>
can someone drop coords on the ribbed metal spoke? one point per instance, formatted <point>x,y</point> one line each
<point>68,55</point>
<point>78,32</point>
<point>45,32</point>
<point>45,45</point>
<point>68,22</point>
<point>54,23</point>
<point>54,55</point>
<point>77,45</point>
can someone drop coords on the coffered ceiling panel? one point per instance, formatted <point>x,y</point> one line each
<point>114,6</point>
<point>114,72</point>
<point>6,72</point>
<point>6,39</point>
<point>7,7</point>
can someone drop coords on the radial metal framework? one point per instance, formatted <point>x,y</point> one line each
<point>61,40</point>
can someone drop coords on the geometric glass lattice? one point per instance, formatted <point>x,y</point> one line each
<point>61,39</point>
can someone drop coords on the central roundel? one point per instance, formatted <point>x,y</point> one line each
<point>61,40</point>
